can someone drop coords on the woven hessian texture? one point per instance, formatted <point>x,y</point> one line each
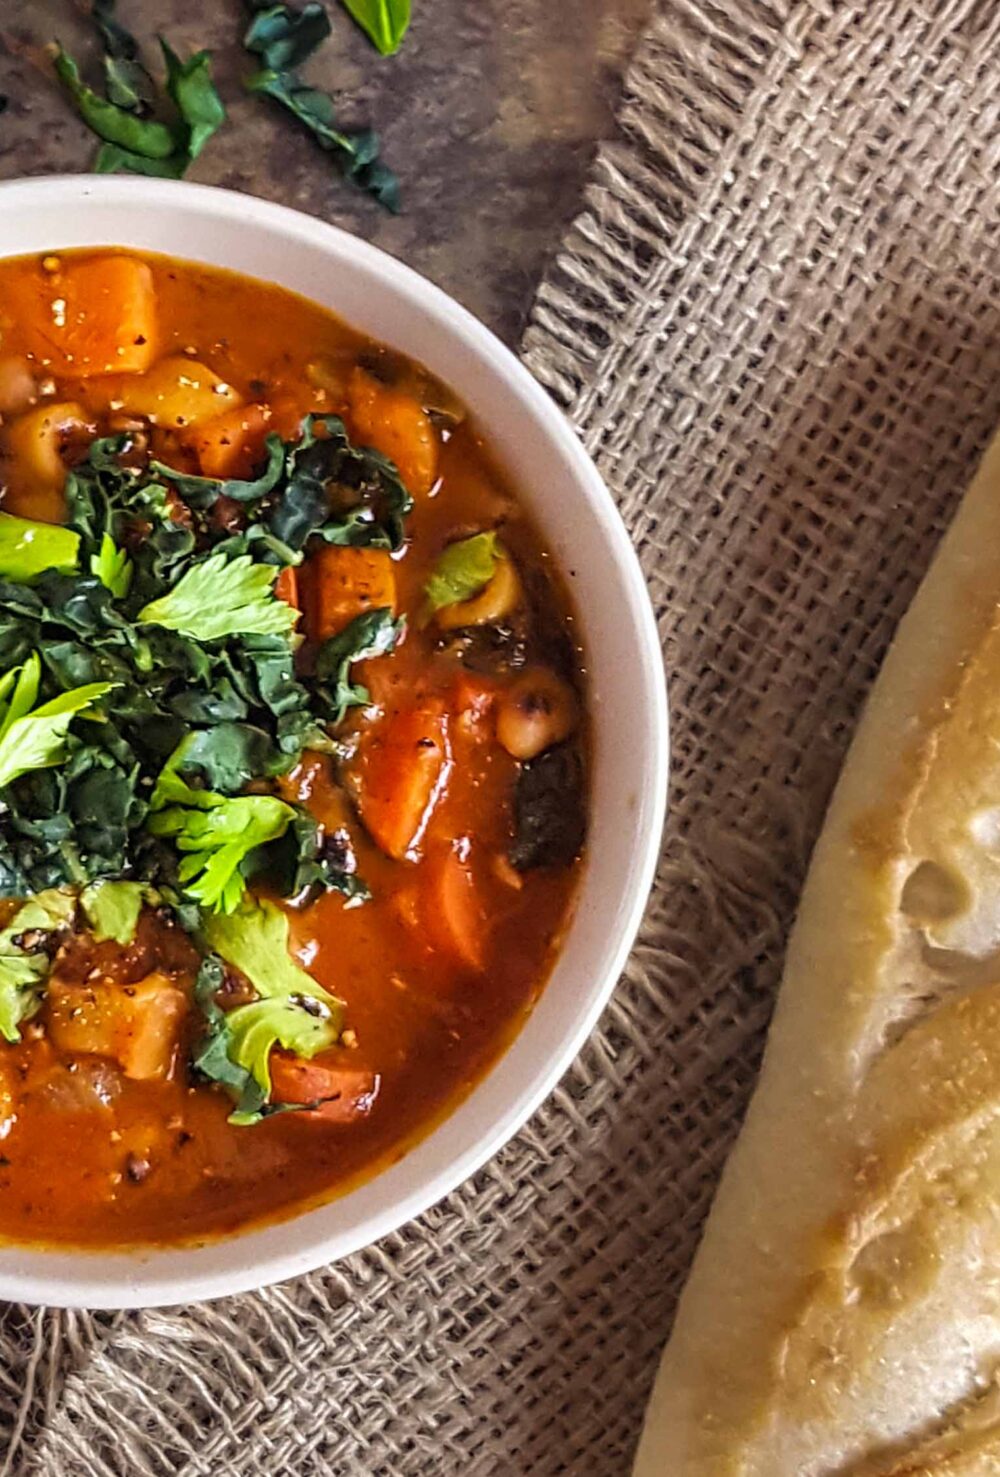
<point>777,327</point>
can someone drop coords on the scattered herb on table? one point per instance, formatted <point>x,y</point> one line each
<point>127,83</point>
<point>385,22</point>
<point>133,141</point>
<point>283,38</point>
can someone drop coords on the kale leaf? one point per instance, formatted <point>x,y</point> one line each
<point>283,38</point>
<point>372,633</point>
<point>549,810</point>
<point>133,141</point>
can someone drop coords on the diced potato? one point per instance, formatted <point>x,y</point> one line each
<point>396,425</point>
<point>35,469</point>
<point>342,1093</point>
<point>96,316</point>
<point>402,773</point>
<point>138,1025</point>
<point>232,444</point>
<point>178,392</point>
<point>343,583</point>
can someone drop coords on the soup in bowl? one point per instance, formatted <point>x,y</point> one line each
<point>300,766</point>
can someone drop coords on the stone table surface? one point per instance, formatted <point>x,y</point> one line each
<point>489,114</point>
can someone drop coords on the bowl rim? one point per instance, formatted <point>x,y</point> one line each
<point>129,1278</point>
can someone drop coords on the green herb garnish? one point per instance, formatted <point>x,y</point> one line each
<point>373,633</point>
<point>215,835</point>
<point>463,570</point>
<point>112,909</point>
<point>36,739</point>
<point>112,567</point>
<point>385,22</point>
<point>215,685</point>
<point>292,1010</point>
<point>218,598</point>
<point>25,958</point>
<point>283,38</point>
<point>28,548</point>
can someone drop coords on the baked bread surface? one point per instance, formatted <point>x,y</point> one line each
<point>842,1318</point>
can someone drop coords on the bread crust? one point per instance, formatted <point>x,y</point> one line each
<point>842,1318</point>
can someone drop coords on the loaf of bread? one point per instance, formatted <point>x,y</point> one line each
<point>843,1315</point>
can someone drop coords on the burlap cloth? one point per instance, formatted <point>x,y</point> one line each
<point>777,327</point>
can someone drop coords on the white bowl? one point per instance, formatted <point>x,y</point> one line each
<point>627,693</point>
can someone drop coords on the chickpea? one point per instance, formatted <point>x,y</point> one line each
<point>17,384</point>
<point>537,711</point>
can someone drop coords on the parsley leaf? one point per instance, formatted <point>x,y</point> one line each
<point>112,567</point>
<point>373,633</point>
<point>25,958</point>
<point>112,909</point>
<point>36,740</point>
<point>219,597</point>
<point>292,1010</point>
<point>463,569</point>
<point>28,548</point>
<point>384,22</point>
<point>215,834</point>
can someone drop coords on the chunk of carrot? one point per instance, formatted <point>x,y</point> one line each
<point>286,587</point>
<point>397,425</point>
<point>96,316</point>
<point>342,583</point>
<point>453,910</point>
<point>232,444</point>
<point>341,1093</point>
<point>402,772</point>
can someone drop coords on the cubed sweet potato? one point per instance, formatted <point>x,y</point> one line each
<point>395,424</point>
<point>232,444</point>
<point>34,447</point>
<point>96,316</point>
<point>177,392</point>
<point>342,583</point>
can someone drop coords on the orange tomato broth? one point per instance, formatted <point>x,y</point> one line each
<point>428,1015</point>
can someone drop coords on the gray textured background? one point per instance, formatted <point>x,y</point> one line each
<point>489,114</point>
